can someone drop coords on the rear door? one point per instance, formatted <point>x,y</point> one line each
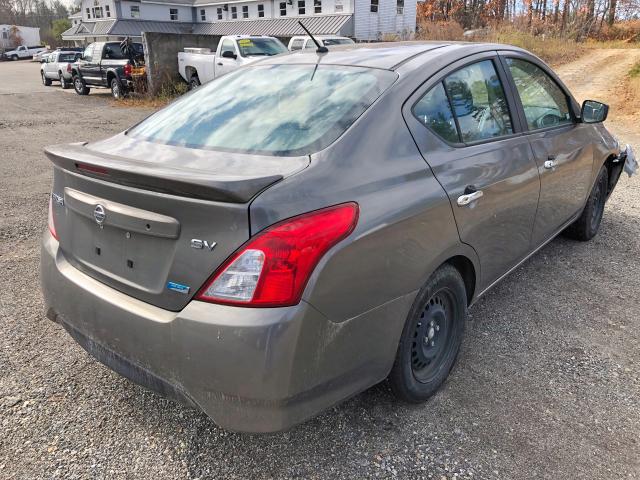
<point>562,147</point>
<point>463,123</point>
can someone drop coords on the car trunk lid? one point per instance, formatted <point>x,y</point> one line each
<point>155,221</point>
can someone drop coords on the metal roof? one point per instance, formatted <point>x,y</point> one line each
<point>103,27</point>
<point>134,28</point>
<point>280,27</point>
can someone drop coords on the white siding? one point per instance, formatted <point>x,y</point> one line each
<point>271,9</point>
<point>373,26</point>
<point>156,12</point>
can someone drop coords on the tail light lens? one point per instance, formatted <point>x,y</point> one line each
<point>52,226</point>
<point>272,268</point>
<point>68,67</point>
<point>127,70</point>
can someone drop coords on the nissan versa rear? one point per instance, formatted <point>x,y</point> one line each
<point>301,229</point>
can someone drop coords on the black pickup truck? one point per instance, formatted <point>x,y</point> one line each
<point>108,65</point>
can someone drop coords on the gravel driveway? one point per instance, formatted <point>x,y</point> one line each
<point>547,384</point>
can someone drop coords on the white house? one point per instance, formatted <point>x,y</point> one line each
<point>30,36</point>
<point>364,20</point>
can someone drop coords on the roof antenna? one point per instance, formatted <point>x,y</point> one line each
<point>320,49</point>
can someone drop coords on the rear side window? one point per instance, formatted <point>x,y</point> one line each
<point>434,111</point>
<point>543,101</point>
<point>467,106</point>
<point>479,103</point>
<point>269,109</point>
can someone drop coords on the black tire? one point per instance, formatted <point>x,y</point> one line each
<point>431,337</point>
<point>79,86</point>
<point>194,82</point>
<point>588,223</point>
<point>63,82</point>
<point>15,57</point>
<point>45,81</point>
<point>118,91</point>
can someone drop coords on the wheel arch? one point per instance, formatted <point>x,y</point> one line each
<point>467,271</point>
<point>190,72</point>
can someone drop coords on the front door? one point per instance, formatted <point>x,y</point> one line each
<point>90,66</point>
<point>463,123</point>
<point>561,146</point>
<point>226,65</point>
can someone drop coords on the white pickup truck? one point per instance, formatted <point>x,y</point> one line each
<point>201,65</point>
<point>23,52</point>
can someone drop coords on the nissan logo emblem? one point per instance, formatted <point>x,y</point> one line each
<point>99,214</point>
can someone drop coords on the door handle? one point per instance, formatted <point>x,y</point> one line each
<point>220,63</point>
<point>468,198</point>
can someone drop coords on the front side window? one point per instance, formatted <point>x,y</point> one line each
<point>173,13</point>
<point>543,101</point>
<point>203,15</point>
<point>219,12</point>
<point>228,46</point>
<point>269,109</point>
<point>260,10</point>
<point>283,9</point>
<point>374,6</point>
<point>88,53</point>
<point>301,7</point>
<point>245,11</point>
<point>234,12</point>
<point>434,111</point>
<point>135,11</point>
<point>478,102</point>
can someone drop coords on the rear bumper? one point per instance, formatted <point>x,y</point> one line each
<point>249,369</point>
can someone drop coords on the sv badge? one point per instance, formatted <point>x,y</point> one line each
<point>202,244</point>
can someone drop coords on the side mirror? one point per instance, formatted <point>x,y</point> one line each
<point>229,54</point>
<point>593,112</point>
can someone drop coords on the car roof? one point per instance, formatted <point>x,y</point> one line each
<point>384,55</point>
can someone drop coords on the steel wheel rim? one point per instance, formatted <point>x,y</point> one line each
<point>432,338</point>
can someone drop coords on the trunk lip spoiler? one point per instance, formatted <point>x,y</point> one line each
<point>185,181</point>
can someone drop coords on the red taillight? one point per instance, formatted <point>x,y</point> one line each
<point>52,226</point>
<point>92,169</point>
<point>68,67</point>
<point>272,268</point>
<point>127,70</point>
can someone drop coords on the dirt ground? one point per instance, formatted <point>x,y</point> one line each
<point>547,383</point>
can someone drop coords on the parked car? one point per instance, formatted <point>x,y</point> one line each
<point>109,65</point>
<point>201,65</point>
<point>23,52</point>
<point>58,67</point>
<point>41,56</point>
<point>304,42</point>
<point>303,228</point>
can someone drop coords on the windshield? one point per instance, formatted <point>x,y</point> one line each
<point>260,46</point>
<point>269,109</point>
<point>337,41</point>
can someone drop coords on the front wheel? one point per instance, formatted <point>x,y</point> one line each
<point>588,223</point>
<point>45,81</point>
<point>15,57</point>
<point>431,337</point>
<point>79,86</point>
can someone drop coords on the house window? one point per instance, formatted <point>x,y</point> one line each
<point>301,8</point>
<point>203,15</point>
<point>135,11</point>
<point>317,6</point>
<point>283,9</point>
<point>5,35</point>
<point>260,10</point>
<point>173,13</point>
<point>219,12</point>
<point>97,12</point>
<point>338,7</point>
<point>245,11</point>
<point>88,13</point>
<point>400,7</point>
<point>107,10</point>
<point>234,12</point>
<point>374,6</point>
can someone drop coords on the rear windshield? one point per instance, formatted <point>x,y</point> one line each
<point>251,47</point>
<point>67,57</point>
<point>269,109</point>
<point>112,51</point>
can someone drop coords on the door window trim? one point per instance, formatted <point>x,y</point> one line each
<point>442,74</point>
<point>503,56</point>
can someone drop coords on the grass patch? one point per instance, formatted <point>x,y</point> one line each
<point>168,93</point>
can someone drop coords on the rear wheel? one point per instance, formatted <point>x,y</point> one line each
<point>79,86</point>
<point>431,337</point>
<point>45,81</point>
<point>194,82</point>
<point>588,223</point>
<point>117,90</point>
<point>63,82</point>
